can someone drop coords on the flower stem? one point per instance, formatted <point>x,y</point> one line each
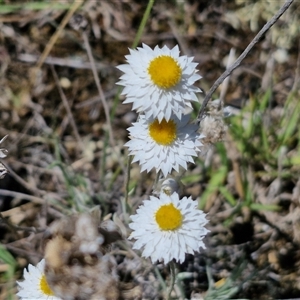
<point>127,178</point>
<point>172,271</point>
<point>156,180</point>
<point>143,23</point>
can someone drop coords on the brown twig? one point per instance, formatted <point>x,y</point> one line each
<point>27,185</point>
<point>54,37</point>
<point>266,27</point>
<point>75,63</point>
<point>179,38</point>
<point>100,91</point>
<point>33,199</point>
<point>102,98</point>
<point>19,228</point>
<point>68,109</point>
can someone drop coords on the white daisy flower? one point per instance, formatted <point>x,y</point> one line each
<point>167,228</point>
<point>35,285</point>
<point>165,145</point>
<point>159,82</point>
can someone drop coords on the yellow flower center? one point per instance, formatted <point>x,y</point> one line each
<point>45,288</point>
<point>163,133</point>
<point>168,217</point>
<point>164,71</point>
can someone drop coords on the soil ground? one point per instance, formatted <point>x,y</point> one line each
<point>58,137</point>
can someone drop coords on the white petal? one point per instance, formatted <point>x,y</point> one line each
<point>161,245</point>
<point>137,82</point>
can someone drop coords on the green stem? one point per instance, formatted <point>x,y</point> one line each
<point>143,23</point>
<point>160,278</point>
<point>155,184</point>
<point>173,275</point>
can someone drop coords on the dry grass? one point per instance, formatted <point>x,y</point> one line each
<point>67,128</point>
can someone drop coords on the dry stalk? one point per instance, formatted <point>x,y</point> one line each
<point>54,37</point>
<point>102,98</point>
<point>100,90</point>
<point>68,109</point>
<point>256,39</point>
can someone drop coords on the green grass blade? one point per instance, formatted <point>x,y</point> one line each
<point>216,181</point>
<point>264,207</point>
<point>228,196</point>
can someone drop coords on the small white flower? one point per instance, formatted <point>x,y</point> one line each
<point>35,285</point>
<point>159,82</point>
<point>168,227</point>
<point>163,146</point>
